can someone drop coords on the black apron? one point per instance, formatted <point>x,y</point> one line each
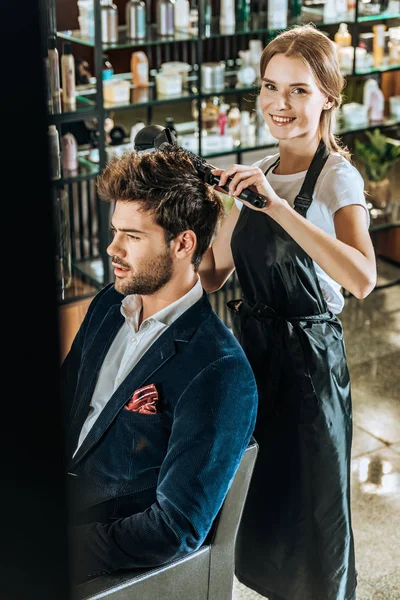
<point>295,539</point>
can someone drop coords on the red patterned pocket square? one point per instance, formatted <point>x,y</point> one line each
<point>144,400</point>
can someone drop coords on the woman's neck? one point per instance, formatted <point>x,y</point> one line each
<point>295,158</point>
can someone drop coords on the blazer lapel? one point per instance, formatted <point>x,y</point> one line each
<point>94,357</point>
<point>158,354</point>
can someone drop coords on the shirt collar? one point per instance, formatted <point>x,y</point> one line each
<point>131,307</point>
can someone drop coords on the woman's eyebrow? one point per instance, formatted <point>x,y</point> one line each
<point>266,80</point>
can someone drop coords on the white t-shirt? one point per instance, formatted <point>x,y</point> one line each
<point>339,184</point>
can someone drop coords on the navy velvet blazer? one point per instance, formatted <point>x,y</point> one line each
<point>145,489</point>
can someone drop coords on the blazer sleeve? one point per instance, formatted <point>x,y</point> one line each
<point>213,422</point>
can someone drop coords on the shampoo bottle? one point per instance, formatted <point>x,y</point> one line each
<point>227,22</point>
<point>135,12</point>
<point>277,14</point>
<point>54,152</point>
<point>222,119</point>
<point>182,15</point>
<point>54,76</point>
<point>165,17</point>
<point>343,36</point>
<point>140,69</point>
<point>374,100</point>
<point>330,12</point>
<point>378,44</point>
<point>68,78</point>
<point>109,21</point>
<point>69,154</point>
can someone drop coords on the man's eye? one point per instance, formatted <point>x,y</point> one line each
<point>269,86</point>
<point>133,237</point>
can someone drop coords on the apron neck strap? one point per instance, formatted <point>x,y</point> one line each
<point>304,198</point>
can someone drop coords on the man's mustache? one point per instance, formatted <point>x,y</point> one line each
<point>117,261</point>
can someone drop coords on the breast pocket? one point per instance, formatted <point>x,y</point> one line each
<point>149,436</point>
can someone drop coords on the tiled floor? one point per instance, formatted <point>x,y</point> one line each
<point>372,334</point>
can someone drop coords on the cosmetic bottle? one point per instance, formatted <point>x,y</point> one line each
<point>374,100</point>
<point>54,76</point>
<point>165,18</point>
<point>135,11</point>
<point>222,119</point>
<point>49,97</point>
<point>209,114</point>
<point>109,21</point>
<point>108,70</point>
<point>54,152</point>
<point>378,43</point>
<point>207,18</point>
<point>182,15</point>
<point>247,74</point>
<point>243,10</point>
<point>227,21</point>
<point>234,121</point>
<point>329,13</point>
<point>277,14</point>
<point>343,36</point>
<point>69,154</point>
<point>295,8</point>
<point>68,78</point>
<point>341,8</point>
<point>246,131</point>
<point>140,69</point>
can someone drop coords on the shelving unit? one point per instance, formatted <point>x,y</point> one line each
<point>194,49</point>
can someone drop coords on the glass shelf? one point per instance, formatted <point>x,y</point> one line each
<point>347,129</point>
<point>257,24</point>
<point>153,39</point>
<point>85,108</point>
<point>86,170</point>
<point>315,15</point>
<point>372,69</point>
<point>147,96</point>
<point>383,15</point>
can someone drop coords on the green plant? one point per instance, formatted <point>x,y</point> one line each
<point>378,155</point>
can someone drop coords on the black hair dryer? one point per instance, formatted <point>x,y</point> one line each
<point>156,137</point>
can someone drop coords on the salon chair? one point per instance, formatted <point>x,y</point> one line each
<point>206,574</point>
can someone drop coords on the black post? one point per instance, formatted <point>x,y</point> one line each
<point>34,561</point>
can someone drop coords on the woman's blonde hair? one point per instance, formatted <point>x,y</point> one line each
<point>317,51</point>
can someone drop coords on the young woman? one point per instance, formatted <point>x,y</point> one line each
<point>292,258</point>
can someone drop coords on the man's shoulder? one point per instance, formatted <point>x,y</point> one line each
<point>214,335</point>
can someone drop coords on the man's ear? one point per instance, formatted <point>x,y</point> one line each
<point>184,244</point>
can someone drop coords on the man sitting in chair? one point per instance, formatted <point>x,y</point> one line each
<point>160,398</point>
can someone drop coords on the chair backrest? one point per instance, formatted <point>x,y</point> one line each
<point>206,574</point>
<point>226,527</point>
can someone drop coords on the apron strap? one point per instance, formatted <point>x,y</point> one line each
<point>304,198</point>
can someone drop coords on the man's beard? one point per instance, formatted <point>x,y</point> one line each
<point>151,275</point>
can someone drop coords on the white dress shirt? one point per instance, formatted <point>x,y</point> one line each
<point>130,344</point>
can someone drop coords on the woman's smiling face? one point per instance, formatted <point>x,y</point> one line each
<point>290,99</point>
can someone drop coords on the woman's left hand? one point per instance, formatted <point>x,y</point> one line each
<point>243,177</point>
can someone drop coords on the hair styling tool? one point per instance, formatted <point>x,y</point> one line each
<point>156,137</point>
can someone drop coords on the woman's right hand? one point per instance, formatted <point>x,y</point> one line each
<point>242,177</point>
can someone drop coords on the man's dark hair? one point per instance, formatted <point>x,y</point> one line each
<point>167,185</point>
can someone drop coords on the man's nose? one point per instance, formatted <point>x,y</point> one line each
<point>115,249</point>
